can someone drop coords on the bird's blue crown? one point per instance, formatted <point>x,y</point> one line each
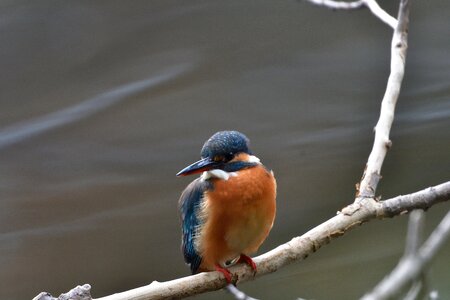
<point>226,144</point>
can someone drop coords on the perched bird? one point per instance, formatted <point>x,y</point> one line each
<point>229,210</point>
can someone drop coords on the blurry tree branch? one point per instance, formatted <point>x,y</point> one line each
<point>412,265</point>
<point>366,206</point>
<point>370,4</point>
<point>237,294</point>
<point>415,231</point>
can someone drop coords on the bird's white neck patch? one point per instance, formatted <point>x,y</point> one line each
<point>253,159</point>
<point>217,173</point>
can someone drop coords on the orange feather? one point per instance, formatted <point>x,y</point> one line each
<point>238,215</point>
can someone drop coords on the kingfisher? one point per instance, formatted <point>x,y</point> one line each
<point>228,211</point>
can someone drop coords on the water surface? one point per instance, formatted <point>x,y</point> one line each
<point>102,103</point>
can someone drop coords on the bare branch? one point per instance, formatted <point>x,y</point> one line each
<point>370,4</point>
<point>382,143</point>
<point>381,13</point>
<point>295,250</point>
<point>237,294</point>
<point>437,238</point>
<point>399,46</point>
<point>411,267</point>
<point>413,240</point>
<point>415,231</point>
<point>339,4</point>
<point>420,200</point>
<point>416,290</point>
<point>77,293</point>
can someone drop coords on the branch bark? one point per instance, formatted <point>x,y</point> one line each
<point>77,293</point>
<point>372,173</point>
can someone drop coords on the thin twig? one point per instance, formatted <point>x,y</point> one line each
<point>416,289</point>
<point>382,143</point>
<point>414,238</point>
<point>381,13</point>
<point>415,231</point>
<point>237,293</point>
<point>372,5</point>
<point>372,173</point>
<point>411,266</point>
<point>339,4</point>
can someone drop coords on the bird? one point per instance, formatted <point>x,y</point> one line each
<point>229,210</point>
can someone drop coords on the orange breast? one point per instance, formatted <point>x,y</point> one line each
<point>239,213</point>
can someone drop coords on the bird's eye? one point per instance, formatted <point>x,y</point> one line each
<point>219,158</point>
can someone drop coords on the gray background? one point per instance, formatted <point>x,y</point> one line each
<point>102,102</point>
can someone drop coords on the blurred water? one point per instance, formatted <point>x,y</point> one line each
<point>103,102</point>
<point>18,132</point>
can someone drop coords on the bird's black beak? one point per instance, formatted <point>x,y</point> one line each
<point>200,166</point>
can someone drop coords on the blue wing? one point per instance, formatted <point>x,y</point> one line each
<point>189,205</point>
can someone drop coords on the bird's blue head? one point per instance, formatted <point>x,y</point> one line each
<point>217,151</point>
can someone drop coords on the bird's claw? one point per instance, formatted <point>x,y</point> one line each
<point>225,273</point>
<point>247,260</point>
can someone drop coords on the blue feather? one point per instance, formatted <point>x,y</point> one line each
<point>238,165</point>
<point>189,205</point>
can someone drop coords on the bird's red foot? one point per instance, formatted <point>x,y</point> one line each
<point>225,273</point>
<point>248,260</point>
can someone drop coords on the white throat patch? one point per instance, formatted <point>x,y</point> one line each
<point>253,159</point>
<point>217,173</point>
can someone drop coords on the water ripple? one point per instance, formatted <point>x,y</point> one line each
<point>26,129</point>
